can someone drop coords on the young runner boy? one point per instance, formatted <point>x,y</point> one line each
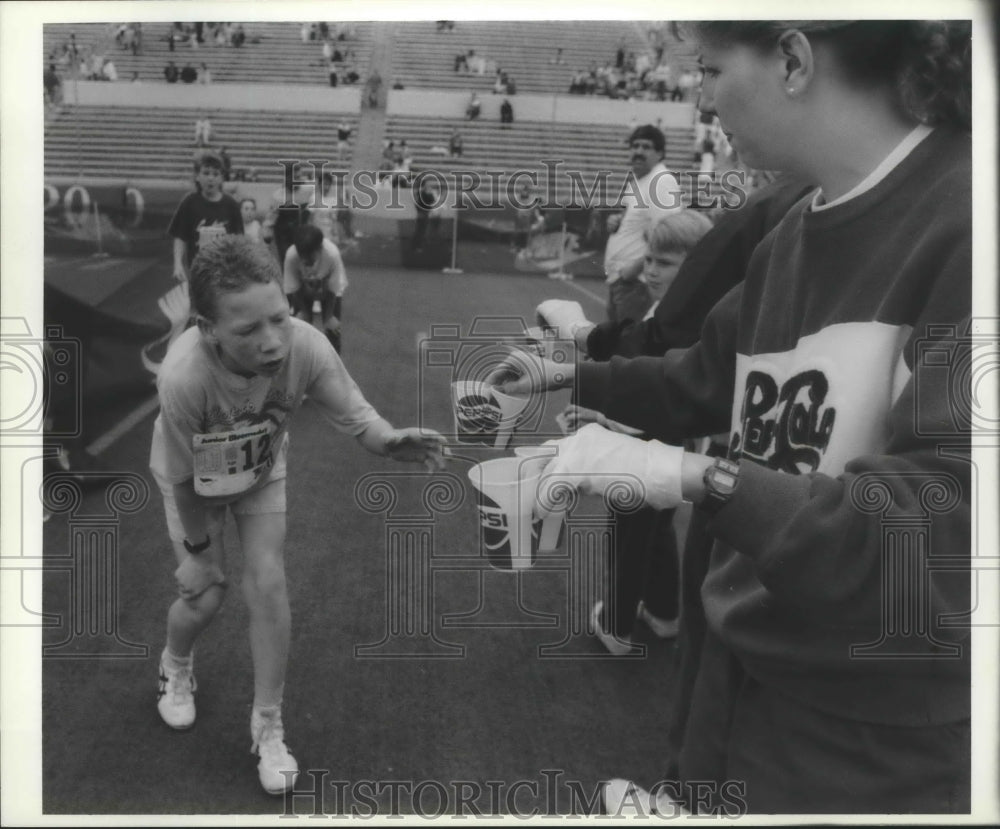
<point>203,215</point>
<point>228,389</point>
<point>314,272</point>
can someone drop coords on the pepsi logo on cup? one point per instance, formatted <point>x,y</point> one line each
<point>478,418</point>
<point>501,551</point>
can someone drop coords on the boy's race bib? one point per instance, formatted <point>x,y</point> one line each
<point>229,463</point>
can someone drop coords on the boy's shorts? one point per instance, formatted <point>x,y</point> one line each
<point>270,498</point>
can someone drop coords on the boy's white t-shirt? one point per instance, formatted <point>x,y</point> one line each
<point>229,432</point>
<point>328,270</point>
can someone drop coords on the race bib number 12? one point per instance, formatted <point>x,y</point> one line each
<point>229,463</point>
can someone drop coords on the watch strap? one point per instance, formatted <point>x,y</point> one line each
<point>195,549</point>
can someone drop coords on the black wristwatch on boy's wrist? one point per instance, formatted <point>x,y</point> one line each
<point>195,549</point>
<point>720,479</point>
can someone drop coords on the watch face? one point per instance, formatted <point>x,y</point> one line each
<point>724,480</point>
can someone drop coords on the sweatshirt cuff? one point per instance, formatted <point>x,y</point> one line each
<point>593,382</point>
<point>762,505</point>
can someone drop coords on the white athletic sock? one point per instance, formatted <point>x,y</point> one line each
<point>175,662</point>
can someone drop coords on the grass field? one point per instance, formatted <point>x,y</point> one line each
<point>479,700</point>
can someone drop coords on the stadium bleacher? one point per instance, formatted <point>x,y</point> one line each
<point>586,149</point>
<point>424,56</point>
<point>274,52</point>
<point>136,142</point>
<point>156,143</point>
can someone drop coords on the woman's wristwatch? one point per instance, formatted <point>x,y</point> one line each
<point>721,480</point>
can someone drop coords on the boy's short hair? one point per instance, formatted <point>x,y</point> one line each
<point>649,133</point>
<point>229,264</point>
<point>308,239</point>
<point>679,231</point>
<point>250,199</point>
<point>210,158</point>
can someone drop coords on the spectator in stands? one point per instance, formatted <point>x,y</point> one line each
<point>327,51</point>
<point>477,63</point>
<point>455,143</point>
<point>333,75</point>
<point>511,85</point>
<point>52,85</point>
<point>506,113</point>
<point>171,40</point>
<point>239,36</point>
<point>461,62</point>
<point>373,88</point>
<point>222,34</point>
<point>251,223</point>
<point>558,57</point>
<point>499,82</point>
<point>135,78</point>
<point>655,195</point>
<point>96,69</point>
<point>170,72</point>
<point>473,108</point>
<point>109,72</point>
<point>398,84</point>
<point>203,215</point>
<point>686,84</point>
<point>351,74</point>
<point>344,130</point>
<point>189,74</point>
<point>205,76</point>
<point>202,131</point>
<point>445,25</point>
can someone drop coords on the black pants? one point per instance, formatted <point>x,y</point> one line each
<point>643,566</point>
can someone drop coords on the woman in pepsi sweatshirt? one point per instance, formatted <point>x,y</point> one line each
<point>835,675</point>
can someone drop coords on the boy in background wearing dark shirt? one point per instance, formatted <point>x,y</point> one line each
<point>203,215</point>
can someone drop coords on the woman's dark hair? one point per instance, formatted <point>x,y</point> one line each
<point>928,62</point>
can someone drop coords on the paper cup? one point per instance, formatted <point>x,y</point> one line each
<point>483,414</point>
<point>505,497</point>
<point>536,459</point>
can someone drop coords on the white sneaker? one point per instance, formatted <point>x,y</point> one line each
<point>277,768</point>
<point>664,628</point>
<point>616,646</point>
<point>175,697</point>
<point>622,798</point>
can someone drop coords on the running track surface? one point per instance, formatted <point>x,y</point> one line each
<point>498,709</point>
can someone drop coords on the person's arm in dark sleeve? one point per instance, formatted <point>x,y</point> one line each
<point>684,394</point>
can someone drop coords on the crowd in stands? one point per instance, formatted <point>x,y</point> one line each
<point>341,61</point>
<point>636,79</point>
<point>212,34</point>
<point>186,74</point>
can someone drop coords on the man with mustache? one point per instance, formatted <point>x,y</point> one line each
<point>649,194</point>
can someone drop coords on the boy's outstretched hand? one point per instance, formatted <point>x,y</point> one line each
<point>414,445</point>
